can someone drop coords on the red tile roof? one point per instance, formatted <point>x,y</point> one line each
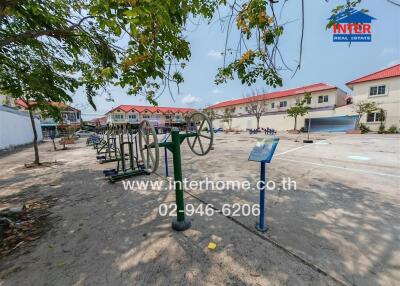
<point>152,109</point>
<point>23,104</point>
<point>392,71</point>
<point>100,120</point>
<point>277,94</point>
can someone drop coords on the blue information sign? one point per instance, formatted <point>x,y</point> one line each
<point>264,150</point>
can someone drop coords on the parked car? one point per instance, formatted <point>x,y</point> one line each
<point>84,133</point>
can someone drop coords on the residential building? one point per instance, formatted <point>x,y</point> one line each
<point>326,103</point>
<point>382,87</point>
<point>98,122</point>
<point>71,117</point>
<point>160,116</point>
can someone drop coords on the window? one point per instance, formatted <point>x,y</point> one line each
<point>273,105</point>
<point>308,100</point>
<point>375,117</point>
<point>283,104</point>
<point>118,116</point>
<point>71,117</point>
<point>146,115</point>
<point>132,116</point>
<point>377,90</point>
<point>373,90</point>
<point>323,98</point>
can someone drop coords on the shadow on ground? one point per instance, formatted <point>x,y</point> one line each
<point>103,235</point>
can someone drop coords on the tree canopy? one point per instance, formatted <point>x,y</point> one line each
<point>50,48</point>
<point>299,109</point>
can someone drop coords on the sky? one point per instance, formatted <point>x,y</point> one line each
<point>322,60</point>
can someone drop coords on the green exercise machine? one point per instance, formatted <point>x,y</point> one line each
<point>200,143</point>
<point>107,150</point>
<point>133,159</point>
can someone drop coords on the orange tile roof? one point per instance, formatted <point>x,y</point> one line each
<point>277,94</point>
<point>21,103</point>
<point>392,71</point>
<point>99,120</point>
<point>24,104</point>
<point>152,109</point>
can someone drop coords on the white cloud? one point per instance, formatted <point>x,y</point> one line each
<point>388,52</point>
<point>216,91</point>
<point>215,54</point>
<point>190,99</point>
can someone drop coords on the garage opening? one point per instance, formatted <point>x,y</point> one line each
<point>331,124</point>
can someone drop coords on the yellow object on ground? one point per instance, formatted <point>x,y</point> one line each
<point>212,245</point>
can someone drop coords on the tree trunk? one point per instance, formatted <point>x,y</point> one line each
<point>54,144</point>
<point>295,123</point>
<point>258,122</point>
<point>357,125</point>
<point>35,137</point>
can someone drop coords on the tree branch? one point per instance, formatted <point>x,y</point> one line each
<point>55,33</point>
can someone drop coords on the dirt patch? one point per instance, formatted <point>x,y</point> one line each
<point>19,227</point>
<point>99,233</point>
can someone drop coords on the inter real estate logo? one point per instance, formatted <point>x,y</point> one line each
<point>352,26</point>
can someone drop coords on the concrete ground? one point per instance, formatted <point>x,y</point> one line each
<point>340,226</point>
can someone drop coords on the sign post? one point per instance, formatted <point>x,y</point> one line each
<point>263,152</point>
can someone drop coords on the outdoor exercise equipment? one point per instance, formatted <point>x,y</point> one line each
<point>144,143</point>
<point>129,164</point>
<point>107,150</point>
<point>216,130</point>
<point>104,142</point>
<point>92,140</point>
<point>262,152</point>
<point>166,136</point>
<point>200,143</point>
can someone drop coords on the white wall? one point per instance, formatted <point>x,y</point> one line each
<point>390,102</point>
<point>282,121</point>
<point>16,128</point>
<point>2,99</point>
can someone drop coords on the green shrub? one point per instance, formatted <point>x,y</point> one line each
<point>364,128</point>
<point>381,129</point>
<point>392,129</point>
